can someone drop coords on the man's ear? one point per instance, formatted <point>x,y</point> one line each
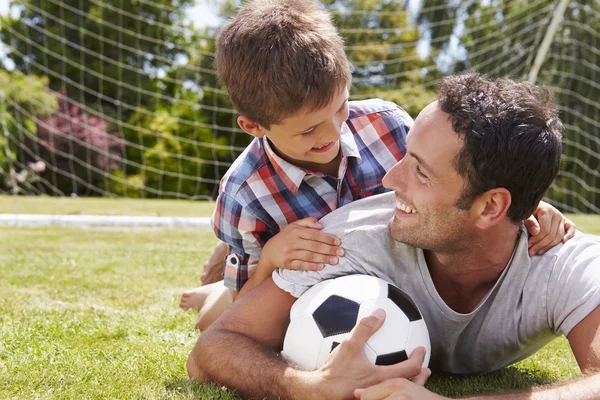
<point>251,127</point>
<point>491,207</point>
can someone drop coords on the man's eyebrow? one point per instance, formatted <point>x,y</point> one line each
<point>422,162</point>
<point>314,126</point>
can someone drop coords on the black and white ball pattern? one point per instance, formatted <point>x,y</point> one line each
<point>324,316</point>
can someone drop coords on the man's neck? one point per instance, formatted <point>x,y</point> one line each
<point>464,278</point>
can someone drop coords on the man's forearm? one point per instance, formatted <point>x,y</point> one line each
<point>586,388</point>
<point>263,372</point>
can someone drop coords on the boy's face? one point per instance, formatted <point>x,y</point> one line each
<point>308,139</point>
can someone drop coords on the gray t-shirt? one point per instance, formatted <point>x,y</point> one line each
<point>536,298</point>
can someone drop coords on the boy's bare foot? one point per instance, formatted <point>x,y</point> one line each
<point>194,299</point>
<point>215,304</point>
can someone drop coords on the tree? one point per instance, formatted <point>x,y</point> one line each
<point>502,38</point>
<point>106,55</point>
<point>23,98</point>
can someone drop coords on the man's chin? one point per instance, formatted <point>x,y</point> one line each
<point>398,233</point>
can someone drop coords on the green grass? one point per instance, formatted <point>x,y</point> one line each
<point>104,206</point>
<point>586,223</point>
<point>92,314</point>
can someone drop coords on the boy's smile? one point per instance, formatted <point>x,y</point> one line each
<point>308,139</point>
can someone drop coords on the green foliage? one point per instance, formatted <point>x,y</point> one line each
<point>502,38</point>
<point>98,52</point>
<point>572,70</point>
<point>176,142</point>
<point>23,98</point>
<point>380,42</point>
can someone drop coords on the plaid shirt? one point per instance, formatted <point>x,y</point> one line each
<point>261,193</point>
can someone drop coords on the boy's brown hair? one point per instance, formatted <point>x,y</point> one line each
<point>276,57</point>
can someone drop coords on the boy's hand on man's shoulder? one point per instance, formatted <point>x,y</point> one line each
<point>302,246</point>
<point>548,227</point>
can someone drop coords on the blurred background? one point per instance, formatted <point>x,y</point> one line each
<point>120,99</point>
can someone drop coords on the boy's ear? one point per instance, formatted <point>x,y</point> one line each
<point>251,127</point>
<point>491,207</point>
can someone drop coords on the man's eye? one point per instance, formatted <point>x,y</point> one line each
<point>419,172</point>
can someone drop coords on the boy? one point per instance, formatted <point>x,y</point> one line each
<point>284,66</point>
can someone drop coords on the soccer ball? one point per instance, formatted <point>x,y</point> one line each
<point>324,316</point>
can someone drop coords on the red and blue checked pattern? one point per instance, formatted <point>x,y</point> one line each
<point>261,193</point>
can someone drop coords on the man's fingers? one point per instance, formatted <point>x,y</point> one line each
<point>366,327</point>
<point>406,369</point>
<point>421,379</point>
<point>383,390</point>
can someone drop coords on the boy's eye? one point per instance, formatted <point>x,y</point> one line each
<point>307,133</point>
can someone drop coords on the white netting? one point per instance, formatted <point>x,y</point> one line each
<point>136,109</point>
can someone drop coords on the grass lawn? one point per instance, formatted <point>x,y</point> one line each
<point>104,206</point>
<point>92,314</point>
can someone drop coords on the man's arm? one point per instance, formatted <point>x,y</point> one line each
<point>248,361</point>
<point>584,339</point>
<point>241,351</point>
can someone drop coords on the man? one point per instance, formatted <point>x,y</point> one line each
<point>478,161</point>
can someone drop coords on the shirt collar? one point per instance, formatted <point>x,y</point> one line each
<point>293,175</point>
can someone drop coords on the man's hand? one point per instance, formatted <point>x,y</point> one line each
<point>301,245</point>
<point>399,388</point>
<point>547,227</point>
<point>348,367</point>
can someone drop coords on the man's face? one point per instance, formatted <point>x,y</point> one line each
<point>311,139</point>
<point>427,187</point>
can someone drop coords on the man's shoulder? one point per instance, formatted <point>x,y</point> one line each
<point>368,214</point>
<point>580,250</point>
<point>581,242</point>
<point>244,169</point>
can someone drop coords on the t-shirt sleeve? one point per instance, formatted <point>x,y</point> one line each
<point>574,285</point>
<point>245,234</point>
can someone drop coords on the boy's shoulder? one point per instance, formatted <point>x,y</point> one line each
<point>365,108</point>
<point>247,165</point>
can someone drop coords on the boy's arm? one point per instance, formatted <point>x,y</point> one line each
<point>548,227</point>
<point>260,249</point>
<point>244,233</point>
<point>299,246</point>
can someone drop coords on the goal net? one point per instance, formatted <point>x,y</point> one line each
<point>120,97</point>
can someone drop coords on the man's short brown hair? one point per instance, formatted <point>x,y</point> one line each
<point>512,138</point>
<point>276,57</point>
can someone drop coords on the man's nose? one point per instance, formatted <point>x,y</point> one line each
<point>394,178</point>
